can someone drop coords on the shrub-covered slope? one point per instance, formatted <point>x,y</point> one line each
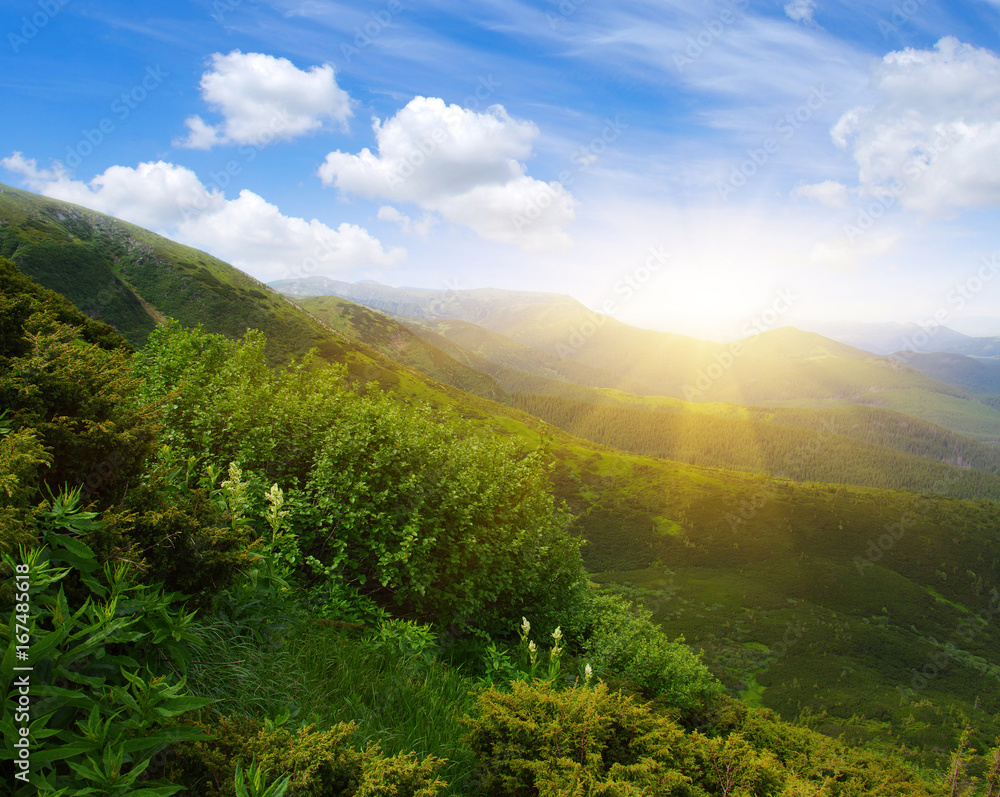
<point>739,546</point>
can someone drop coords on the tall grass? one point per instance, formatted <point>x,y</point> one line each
<point>246,672</point>
<point>325,675</point>
<point>403,703</point>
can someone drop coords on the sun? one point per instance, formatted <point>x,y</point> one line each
<point>712,302</point>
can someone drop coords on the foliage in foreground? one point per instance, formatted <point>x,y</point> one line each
<point>418,510</point>
<point>537,740</point>
<point>111,641</point>
<point>315,761</point>
<point>104,672</point>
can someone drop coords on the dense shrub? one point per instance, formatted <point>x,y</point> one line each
<point>319,762</point>
<point>75,395</point>
<point>415,507</point>
<point>537,740</point>
<point>622,639</point>
<point>22,457</point>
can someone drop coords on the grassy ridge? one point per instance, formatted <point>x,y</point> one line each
<point>132,278</point>
<point>397,342</point>
<point>58,249</point>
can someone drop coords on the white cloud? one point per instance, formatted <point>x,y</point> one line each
<point>264,99</point>
<point>932,137</point>
<point>801,10</point>
<point>406,224</point>
<point>828,193</point>
<point>844,255</point>
<point>465,165</point>
<point>248,232</point>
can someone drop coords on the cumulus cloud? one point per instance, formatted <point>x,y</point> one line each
<point>932,137</point>
<point>264,99</point>
<point>465,165</point>
<point>247,231</point>
<point>801,10</point>
<point>828,193</point>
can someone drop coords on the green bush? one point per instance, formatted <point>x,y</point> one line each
<point>622,640</point>
<point>78,397</point>
<point>317,762</point>
<point>415,508</point>
<point>537,740</point>
<point>185,533</point>
<point>444,522</point>
<point>22,456</point>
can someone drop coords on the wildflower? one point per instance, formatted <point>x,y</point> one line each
<point>525,626</point>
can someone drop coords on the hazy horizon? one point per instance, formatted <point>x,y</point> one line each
<point>975,326</point>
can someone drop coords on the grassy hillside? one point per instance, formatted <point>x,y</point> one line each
<point>735,560</point>
<point>131,278</point>
<point>397,342</point>
<point>820,454</point>
<point>813,599</point>
<point>57,248</point>
<point>859,445</point>
<point>510,361</point>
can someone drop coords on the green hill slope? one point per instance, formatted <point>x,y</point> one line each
<point>863,446</point>
<point>976,375</point>
<point>746,444</point>
<point>517,358</point>
<point>397,342</point>
<point>735,560</point>
<point>131,278</point>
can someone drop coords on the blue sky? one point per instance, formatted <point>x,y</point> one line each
<point>687,166</point>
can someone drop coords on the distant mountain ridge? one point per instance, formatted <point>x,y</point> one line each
<point>891,337</point>
<point>887,337</point>
<point>781,367</point>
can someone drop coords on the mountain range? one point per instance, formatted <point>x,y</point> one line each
<point>782,367</point>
